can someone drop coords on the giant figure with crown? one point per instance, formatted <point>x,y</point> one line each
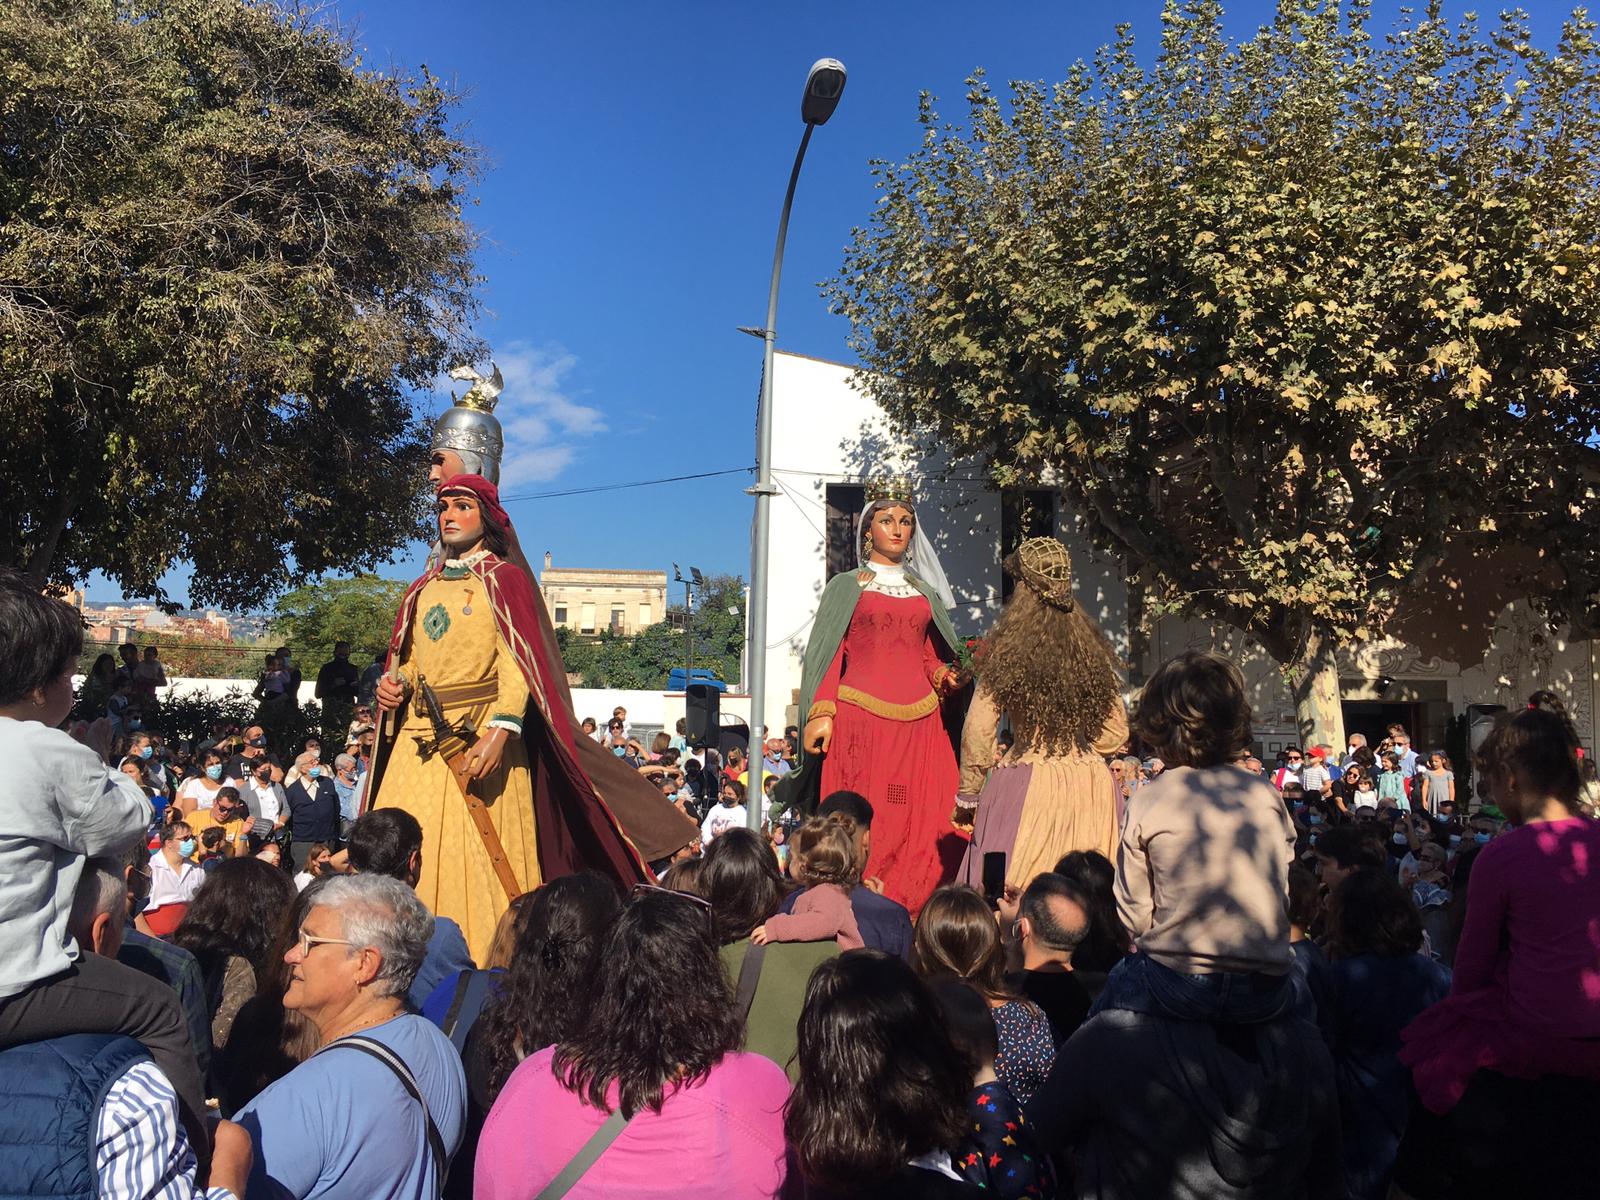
<point>480,741</point>
<point>878,671</point>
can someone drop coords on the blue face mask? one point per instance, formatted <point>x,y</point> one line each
<point>1315,818</point>
<point>1481,838</point>
<point>186,847</point>
<point>147,752</point>
<point>313,771</point>
<point>214,771</point>
<point>1455,840</point>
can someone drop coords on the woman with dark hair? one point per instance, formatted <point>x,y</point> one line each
<point>1107,942</point>
<point>1203,867</point>
<point>1373,986</point>
<point>229,927</point>
<point>541,992</point>
<point>1517,1041</point>
<point>739,876</point>
<point>98,686</point>
<point>267,1041</point>
<point>1049,667</point>
<point>657,1052</point>
<point>957,937</point>
<point>880,1099</point>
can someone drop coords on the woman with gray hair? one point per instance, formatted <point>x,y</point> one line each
<point>379,1110</point>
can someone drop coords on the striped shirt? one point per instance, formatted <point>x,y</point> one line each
<point>141,1150</point>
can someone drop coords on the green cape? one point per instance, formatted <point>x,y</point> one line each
<point>801,788</point>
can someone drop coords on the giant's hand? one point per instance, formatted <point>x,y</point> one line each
<point>485,754</point>
<point>818,735</point>
<point>391,693</point>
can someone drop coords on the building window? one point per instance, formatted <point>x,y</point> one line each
<point>619,617</point>
<point>845,502</point>
<point>561,614</point>
<point>1023,515</point>
<point>644,616</point>
<point>586,619</point>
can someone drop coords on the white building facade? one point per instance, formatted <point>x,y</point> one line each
<point>829,438</point>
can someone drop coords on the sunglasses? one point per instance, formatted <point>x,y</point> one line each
<point>650,889</point>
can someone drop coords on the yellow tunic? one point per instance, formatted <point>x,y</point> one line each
<point>453,643</point>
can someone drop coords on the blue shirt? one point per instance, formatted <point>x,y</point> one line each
<point>341,1126</point>
<point>885,924</point>
<point>447,957</point>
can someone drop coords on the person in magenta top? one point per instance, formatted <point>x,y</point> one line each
<point>1525,997</point>
<point>660,1043</point>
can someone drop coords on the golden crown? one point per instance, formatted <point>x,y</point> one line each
<point>890,487</point>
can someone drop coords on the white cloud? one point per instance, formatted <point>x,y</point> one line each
<point>537,413</point>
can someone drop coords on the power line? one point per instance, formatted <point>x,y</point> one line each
<point>618,487</point>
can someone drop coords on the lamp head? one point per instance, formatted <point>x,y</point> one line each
<point>824,86</point>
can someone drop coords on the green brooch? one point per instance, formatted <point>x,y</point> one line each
<point>435,622</point>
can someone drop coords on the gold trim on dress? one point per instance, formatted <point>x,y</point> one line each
<point>822,708</point>
<point>459,695</point>
<point>883,708</point>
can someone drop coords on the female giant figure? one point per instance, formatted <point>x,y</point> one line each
<point>876,674</point>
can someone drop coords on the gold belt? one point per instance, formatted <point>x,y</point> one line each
<point>914,711</point>
<point>458,695</point>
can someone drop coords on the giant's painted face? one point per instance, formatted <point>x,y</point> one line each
<point>460,522</point>
<point>445,464</point>
<point>890,534</point>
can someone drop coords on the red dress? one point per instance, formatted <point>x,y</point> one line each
<point>889,743</point>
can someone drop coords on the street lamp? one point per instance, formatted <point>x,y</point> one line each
<point>824,85</point>
<point>695,580</point>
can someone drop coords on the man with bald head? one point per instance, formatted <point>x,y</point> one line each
<point>1052,919</point>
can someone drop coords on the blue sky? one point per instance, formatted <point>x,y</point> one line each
<point>636,156</point>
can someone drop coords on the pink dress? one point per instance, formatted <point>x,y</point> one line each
<point>890,745</point>
<point>1525,996</point>
<point>718,1139</point>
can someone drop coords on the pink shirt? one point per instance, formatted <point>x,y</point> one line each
<point>719,1138</point>
<point>820,913</point>
<point>1533,926</point>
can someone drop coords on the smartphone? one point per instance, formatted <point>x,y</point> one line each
<point>994,877</point>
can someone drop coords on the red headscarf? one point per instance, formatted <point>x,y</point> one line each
<point>486,494</point>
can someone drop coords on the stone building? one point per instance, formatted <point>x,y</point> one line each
<point>591,600</point>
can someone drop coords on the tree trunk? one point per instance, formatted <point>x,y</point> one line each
<point>44,554</point>
<point>1314,683</point>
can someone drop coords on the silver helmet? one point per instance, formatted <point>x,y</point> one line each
<point>469,427</point>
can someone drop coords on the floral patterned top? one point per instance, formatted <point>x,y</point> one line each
<point>1000,1155</point>
<point>1027,1049</point>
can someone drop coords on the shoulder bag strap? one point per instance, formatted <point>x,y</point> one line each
<point>375,1048</point>
<point>588,1154</point>
<point>749,977</point>
<point>463,985</point>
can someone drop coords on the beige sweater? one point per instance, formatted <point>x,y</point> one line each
<point>1203,871</point>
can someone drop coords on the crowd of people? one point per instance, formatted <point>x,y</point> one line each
<point>216,978</point>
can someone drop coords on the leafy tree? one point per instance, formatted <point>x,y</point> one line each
<point>310,619</point>
<point>1294,324</point>
<point>227,253</point>
<point>187,655</point>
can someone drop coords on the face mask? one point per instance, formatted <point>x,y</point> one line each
<point>1315,818</point>
<point>186,847</point>
<point>147,752</point>
<point>1399,839</point>
<point>259,743</point>
<point>1481,838</point>
<point>314,771</point>
<point>135,723</point>
<point>1455,840</point>
<point>214,772</point>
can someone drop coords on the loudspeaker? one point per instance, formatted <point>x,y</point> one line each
<point>1480,720</point>
<point>702,714</point>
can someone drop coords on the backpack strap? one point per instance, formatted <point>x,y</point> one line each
<point>471,983</point>
<point>588,1154</point>
<point>749,977</point>
<point>381,1052</point>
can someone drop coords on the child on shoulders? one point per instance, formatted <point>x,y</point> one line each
<point>823,860</point>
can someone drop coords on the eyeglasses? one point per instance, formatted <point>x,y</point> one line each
<point>306,942</point>
<point>648,889</point>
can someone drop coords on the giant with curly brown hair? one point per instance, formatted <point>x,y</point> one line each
<point>1051,672</point>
